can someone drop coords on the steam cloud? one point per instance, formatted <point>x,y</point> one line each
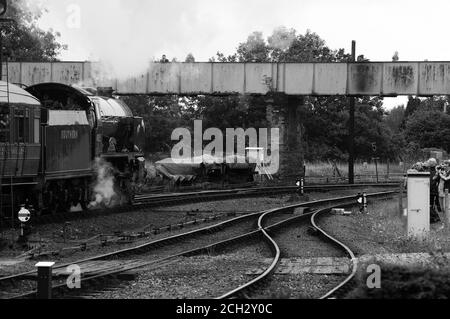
<point>282,38</point>
<point>127,35</point>
<point>104,192</point>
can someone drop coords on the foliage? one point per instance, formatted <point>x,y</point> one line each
<point>161,116</point>
<point>190,58</point>
<point>429,128</point>
<point>412,106</point>
<point>24,40</point>
<point>395,118</point>
<point>403,282</point>
<point>254,49</point>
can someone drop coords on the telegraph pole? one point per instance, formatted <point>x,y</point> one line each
<point>351,129</point>
<point>1,53</point>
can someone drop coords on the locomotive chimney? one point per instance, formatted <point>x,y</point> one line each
<point>105,91</point>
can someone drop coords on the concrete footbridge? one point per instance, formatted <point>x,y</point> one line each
<point>351,79</point>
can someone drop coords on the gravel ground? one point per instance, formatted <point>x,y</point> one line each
<point>354,232</point>
<point>299,286</point>
<point>381,231</point>
<point>198,241</point>
<point>202,240</point>
<point>297,241</point>
<point>196,277</point>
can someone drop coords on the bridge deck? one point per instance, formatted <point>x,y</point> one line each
<point>373,78</point>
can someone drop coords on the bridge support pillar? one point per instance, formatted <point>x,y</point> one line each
<point>283,112</point>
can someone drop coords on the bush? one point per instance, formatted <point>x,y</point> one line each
<point>399,282</point>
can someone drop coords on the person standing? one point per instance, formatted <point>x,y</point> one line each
<point>434,184</point>
<point>440,183</point>
<point>430,166</point>
<point>444,183</point>
<point>164,59</point>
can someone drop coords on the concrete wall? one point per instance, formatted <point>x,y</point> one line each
<point>374,78</point>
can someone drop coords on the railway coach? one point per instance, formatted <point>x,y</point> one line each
<point>20,145</point>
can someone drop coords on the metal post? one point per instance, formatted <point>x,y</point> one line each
<point>351,146</point>
<point>302,185</point>
<point>446,210</point>
<point>360,202</point>
<point>1,53</point>
<point>376,168</point>
<point>44,280</point>
<point>12,202</point>
<point>365,203</point>
<point>387,171</point>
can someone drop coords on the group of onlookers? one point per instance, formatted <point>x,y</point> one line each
<point>439,182</point>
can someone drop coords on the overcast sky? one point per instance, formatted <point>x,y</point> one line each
<point>128,33</point>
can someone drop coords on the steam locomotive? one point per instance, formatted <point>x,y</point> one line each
<point>58,142</point>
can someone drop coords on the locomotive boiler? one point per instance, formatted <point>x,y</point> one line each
<point>62,142</point>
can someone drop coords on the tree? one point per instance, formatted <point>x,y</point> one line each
<point>222,58</point>
<point>412,106</point>
<point>162,114</point>
<point>309,48</point>
<point>429,128</point>
<point>25,41</point>
<point>255,49</point>
<point>394,119</point>
<point>280,41</point>
<point>190,58</point>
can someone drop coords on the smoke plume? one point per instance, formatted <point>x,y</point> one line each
<point>104,193</point>
<point>282,38</point>
<point>127,35</point>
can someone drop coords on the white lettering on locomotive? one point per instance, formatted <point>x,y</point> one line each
<point>69,134</point>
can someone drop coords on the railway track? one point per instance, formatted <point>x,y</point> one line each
<point>145,199</point>
<point>112,266</point>
<point>258,284</point>
<point>152,200</point>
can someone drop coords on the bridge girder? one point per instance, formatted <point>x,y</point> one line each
<point>368,78</point>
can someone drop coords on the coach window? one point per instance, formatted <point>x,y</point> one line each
<point>36,125</point>
<point>5,124</point>
<point>27,126</point>
<point>21,123</point>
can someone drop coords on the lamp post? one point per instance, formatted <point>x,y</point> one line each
<point>3,9</point>
<point>351,129</point>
